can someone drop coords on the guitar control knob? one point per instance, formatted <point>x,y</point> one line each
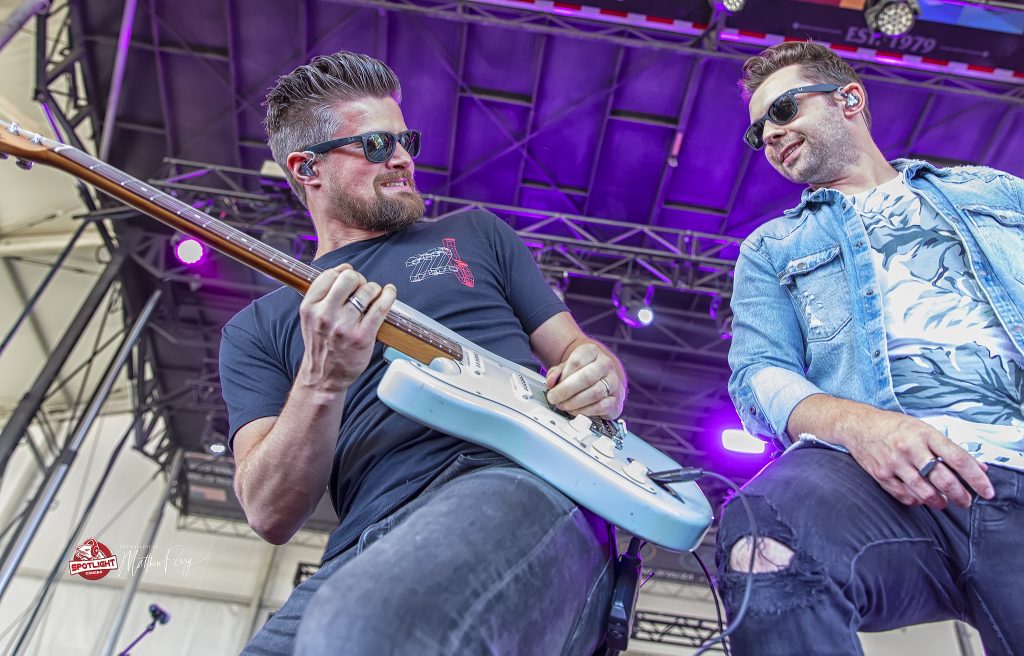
<point>637,471</point>
<point>605,446</point>
<point>581,423</point>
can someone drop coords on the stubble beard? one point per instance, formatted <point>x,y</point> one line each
<point>387,214</point>
<point>826,154</point>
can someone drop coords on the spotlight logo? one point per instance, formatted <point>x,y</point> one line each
<point>92,560</point>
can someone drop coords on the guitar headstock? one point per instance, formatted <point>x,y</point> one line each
<point>26,146</point>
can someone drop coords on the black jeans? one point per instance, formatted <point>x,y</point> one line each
<point>865,562</point>
<point>488,560</point>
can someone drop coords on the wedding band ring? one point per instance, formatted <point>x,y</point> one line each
<point>357,304</point>
<point>607,387</point>
<point>929,467</point>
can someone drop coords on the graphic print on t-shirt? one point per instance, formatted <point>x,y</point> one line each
<point>438,261</point>
<point>948,353</point>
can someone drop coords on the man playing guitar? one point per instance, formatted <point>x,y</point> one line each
<point>444,547</point>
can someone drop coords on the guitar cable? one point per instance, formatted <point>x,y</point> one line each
<point>684,475</point>
<point>714,597</point>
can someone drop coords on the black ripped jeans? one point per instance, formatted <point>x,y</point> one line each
<point>865,562</point>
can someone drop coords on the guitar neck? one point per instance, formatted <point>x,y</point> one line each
<point>399,330</point>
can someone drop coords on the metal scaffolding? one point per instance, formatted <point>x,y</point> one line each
<point>689,267</point>
<point>679,630</point>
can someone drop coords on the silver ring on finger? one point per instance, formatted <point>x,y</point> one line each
<point>607,387</point>
<point>357,304</point>
<point>928,467</point>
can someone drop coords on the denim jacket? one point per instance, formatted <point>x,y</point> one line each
<point>807,308</point>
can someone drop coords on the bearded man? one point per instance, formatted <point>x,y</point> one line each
<point>444,547</point>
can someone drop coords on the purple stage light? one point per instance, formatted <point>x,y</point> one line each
<point>189,250</point>
<point>633,304</point>
<point>740,441</point>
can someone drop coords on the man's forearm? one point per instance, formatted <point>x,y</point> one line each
<point>284,476</point>
<point>828,418</point>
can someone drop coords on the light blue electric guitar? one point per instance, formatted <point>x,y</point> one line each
<point>488,400</point>
<point>446,382</point>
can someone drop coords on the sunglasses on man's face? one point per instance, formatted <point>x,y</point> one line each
<point>378,146</point>
<point>782,110</point>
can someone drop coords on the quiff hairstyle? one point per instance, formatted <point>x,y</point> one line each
<point>820,64</point>
<point>300,107</point>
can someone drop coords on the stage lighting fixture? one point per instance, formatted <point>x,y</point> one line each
<point>217,448</point>
<point>740,441</point>
<point>891,17</point>
<point>633,304</point>
<point>721,314</point>
<point>188,250</point>
<point>559,283</point>
<point>731,6</point>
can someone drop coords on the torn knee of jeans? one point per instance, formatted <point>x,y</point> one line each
<point>800,584</point>
<point>785,577</point>
<point>776,542</point>
<point>769,556</point>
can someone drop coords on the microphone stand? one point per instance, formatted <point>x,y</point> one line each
<point>142,635</point>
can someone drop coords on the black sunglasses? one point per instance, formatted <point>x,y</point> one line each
<point>377,146</point>
<point>782,111</point>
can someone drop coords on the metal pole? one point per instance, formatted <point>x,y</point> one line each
<point>963,639</point>
<point>29,525</point>
<point>31,302</point>
<point>124,42</point>
<point>17,18</point>
<point>256,605</point>
<point>147,544</point>
<point>32,622</point>
<point>33,399</point>
<point>17,495</point>
<point>36,328</point>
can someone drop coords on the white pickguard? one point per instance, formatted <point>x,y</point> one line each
<point>495,403</point>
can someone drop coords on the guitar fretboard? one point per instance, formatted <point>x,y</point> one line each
<point>218,234</point>
<point>203,223</point>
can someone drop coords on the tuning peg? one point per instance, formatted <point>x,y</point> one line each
<point>4,155</point>
<point>24,164</point>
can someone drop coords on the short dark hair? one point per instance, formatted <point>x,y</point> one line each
<point>819,63</point>
<point>299,107</point>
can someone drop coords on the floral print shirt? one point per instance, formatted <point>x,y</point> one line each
<point>951,360</point>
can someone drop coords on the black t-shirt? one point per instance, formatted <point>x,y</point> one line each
<point>471,273</point>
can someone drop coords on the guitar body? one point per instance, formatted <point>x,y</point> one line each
<point>497,404</point>
<point>442,380</point>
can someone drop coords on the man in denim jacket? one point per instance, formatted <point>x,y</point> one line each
<point>881,320</point>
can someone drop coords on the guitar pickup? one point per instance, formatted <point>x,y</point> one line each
<point>521,387</point>
<point>473,361</point>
